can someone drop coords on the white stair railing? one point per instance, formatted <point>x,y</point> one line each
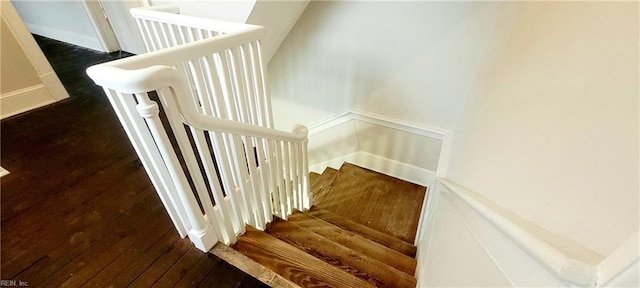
<point>198,114</point>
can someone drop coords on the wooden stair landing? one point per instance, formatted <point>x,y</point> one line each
<point>335,245</point>
<point>384,203</point>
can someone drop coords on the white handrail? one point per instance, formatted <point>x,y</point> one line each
<point>570,270</point>
<point>185,52</point>
<point>159,76</point>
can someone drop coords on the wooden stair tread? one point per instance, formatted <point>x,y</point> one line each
<point>292,263</point>
<point>365,231</point>
<point>361,266</point>
<point>321,186</point>
<point>355,242</point>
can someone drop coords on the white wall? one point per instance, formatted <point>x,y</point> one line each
<point>550,129</point>
<point>412,61</point>
<point>67,21</point>
<point>278,17</point>
<point>408,61</point>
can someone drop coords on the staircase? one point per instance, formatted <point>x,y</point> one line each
<point>320,248</point>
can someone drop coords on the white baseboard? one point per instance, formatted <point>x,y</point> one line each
<point>383,165</point>
<point>65,36</point>
<point>22,100</point>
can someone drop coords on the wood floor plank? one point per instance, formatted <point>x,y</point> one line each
<point>177,271</point>
<point>400,201</point>
<point>118,266</point>
<point>40,216</point>
<point>139,265</point>
<point>129,244</point>
<point>365,231</point>
<point>407,210</point>
<point>226,276</point>
<point>350,261</point>
<point>199,271</point>
<point>61,275</point>
<point>293,264</point>
<point>68,256</point>
<point>162,264</point>
<point>63,175</point>
<point>61,238</point>
<point>356,242</point>
<point>375,195</point>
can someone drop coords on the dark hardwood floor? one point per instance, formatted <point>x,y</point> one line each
<point>77,209</point>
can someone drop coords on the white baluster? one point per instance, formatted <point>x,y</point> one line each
<point>227,179</point>
<point>264,171</point>
<point>263,74</point>
<point>212,177</point>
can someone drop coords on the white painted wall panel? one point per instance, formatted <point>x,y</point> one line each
<point>333,143</point>
<point>454,257</point>
<point>551,128</point>
<point>401,146</point>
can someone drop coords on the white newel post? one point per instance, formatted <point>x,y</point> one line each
<point>201,233</point>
